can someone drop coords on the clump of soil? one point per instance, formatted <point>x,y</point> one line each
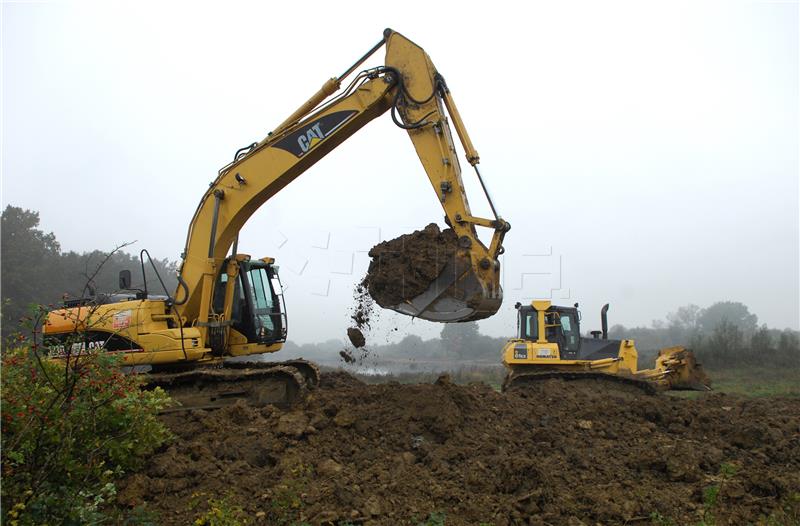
<point>555,453</point>
<point>362,312</point>
<point>362,315</point>
<point>356,337</point>
<point>347,356</point>
<point>404,267</point>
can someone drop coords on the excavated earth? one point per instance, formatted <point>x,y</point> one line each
<point>404,267</point>
<point>557,453</point>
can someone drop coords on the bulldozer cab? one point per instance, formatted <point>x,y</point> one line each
<point>561,325</point>
<point>258,311</point>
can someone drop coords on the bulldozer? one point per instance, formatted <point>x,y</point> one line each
<point>549,345</point>
<point>229,304</point>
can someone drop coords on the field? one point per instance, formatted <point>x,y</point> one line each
<point>439,452</point>
<point>756,382</point>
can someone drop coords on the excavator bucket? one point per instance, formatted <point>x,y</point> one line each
<point>677,369</point>
<point>435,275</point>
<point>460,293</point>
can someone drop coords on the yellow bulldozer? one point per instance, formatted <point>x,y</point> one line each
<point>549,345</point>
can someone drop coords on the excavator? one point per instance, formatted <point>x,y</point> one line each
<point>549,345</point>
<point>228,304</point>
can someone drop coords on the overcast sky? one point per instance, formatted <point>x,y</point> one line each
<point>645,153</point>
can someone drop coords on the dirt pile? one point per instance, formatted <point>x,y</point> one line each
<point>404,267</point>
<point>557,453</point>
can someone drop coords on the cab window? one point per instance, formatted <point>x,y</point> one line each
<point>528,326</point>
<point>571,336</point>
<point>262,300</point>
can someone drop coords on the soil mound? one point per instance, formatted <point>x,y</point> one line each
<point>556,453</point>
<point>404,267</point>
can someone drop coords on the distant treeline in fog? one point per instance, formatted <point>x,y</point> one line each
<point>35,271</point>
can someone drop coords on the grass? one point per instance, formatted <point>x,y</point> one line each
<point>752,381</point>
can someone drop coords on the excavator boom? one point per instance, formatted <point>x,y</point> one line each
<point>416,94</point>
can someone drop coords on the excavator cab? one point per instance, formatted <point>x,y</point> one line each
<point>257,309</point>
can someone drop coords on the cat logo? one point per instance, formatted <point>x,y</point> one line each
<point>311,138</point>
<point>305,139</point>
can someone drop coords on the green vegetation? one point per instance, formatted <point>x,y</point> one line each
<point>434,519</point>
<point>712,492</point>
<point>286,501</point>
<point>218,512</point>
<point>71,429</point>
<point>758,381</point>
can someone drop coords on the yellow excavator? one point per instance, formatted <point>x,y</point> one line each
<point>549,345</point>
<point>228,304</point>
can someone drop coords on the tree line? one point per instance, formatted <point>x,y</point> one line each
<point>34,270</point>
<point>725,334</point>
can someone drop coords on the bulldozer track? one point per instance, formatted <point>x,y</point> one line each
<point>257,384</point>
<point>519,380</point>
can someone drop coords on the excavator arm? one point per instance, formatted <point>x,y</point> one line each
<point>417,96</point>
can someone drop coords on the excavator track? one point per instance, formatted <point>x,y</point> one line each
<point>282,384</point>
<point>308,370</point>
<point>516,381</point>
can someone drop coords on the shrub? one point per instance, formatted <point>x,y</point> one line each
<point>70,428</point>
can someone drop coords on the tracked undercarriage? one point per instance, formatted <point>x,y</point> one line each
<point>521,380</point>
<point>257,384</point>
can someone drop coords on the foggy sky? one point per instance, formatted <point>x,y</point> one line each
<point>645,154</point>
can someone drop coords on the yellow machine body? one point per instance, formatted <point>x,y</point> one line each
<point>549,341</point>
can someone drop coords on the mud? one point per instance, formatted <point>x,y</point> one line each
<point>356,337</point>
<point>557,453</point>
<point>404,267</point>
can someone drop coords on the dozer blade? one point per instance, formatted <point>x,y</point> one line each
<point>677,369</point>
<point>457,294</point>
<point>257,384</point>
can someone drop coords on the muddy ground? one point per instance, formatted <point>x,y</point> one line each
<point>558,453</point>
